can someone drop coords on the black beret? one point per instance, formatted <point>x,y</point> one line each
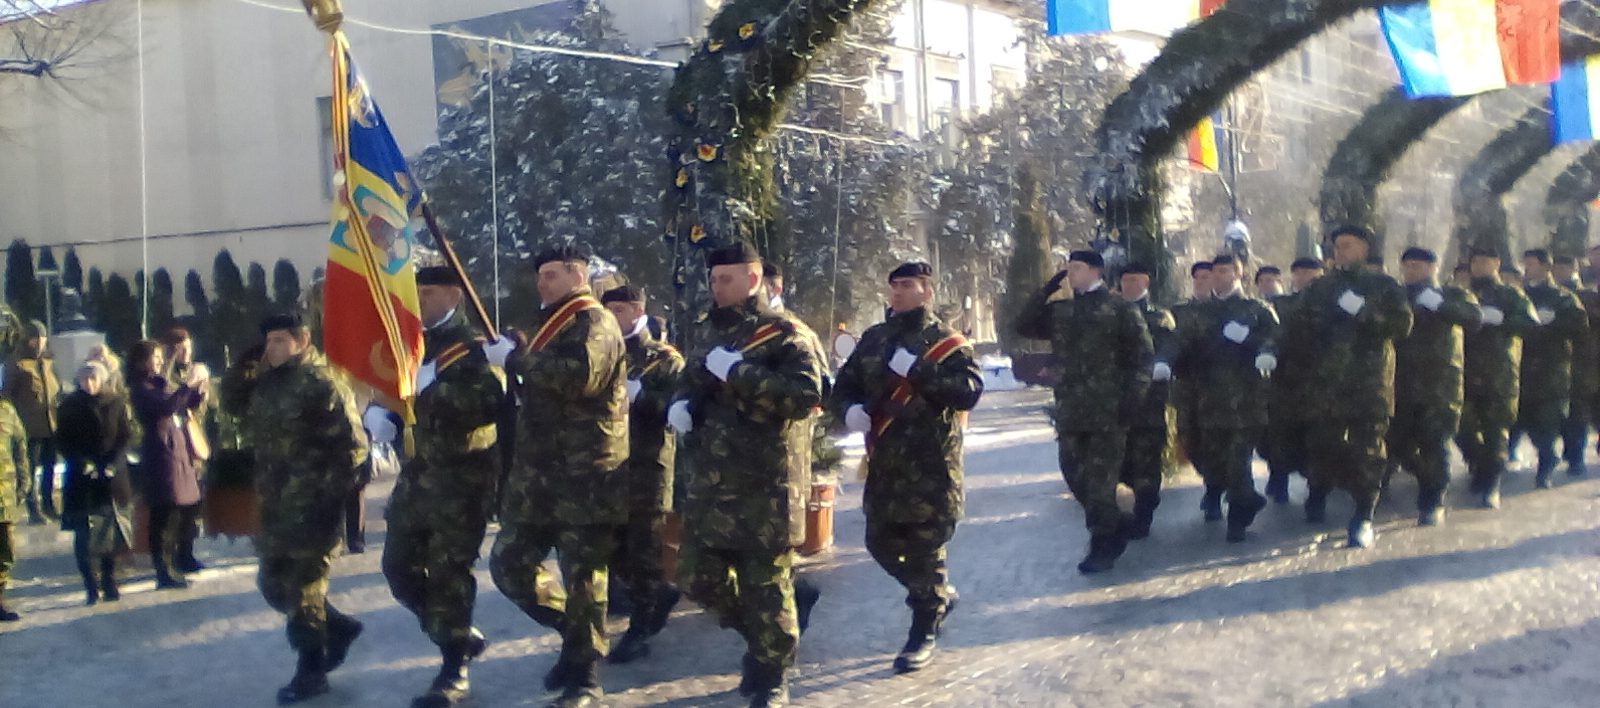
<point>1538,254</point>
<point>437,275</point>
<point>1196,268</point>
<point>1305,264</point>
<point>565,253</point>
<point>1088,257</point>
<point>1417,253</point>
<point>1269,270</point>
<point>1481,252</point>
<point>733,254</point>
<point>626,293</point>
<point>1137,269</point>
<point>1566,260</point>
<point>912,269</point>
<point>1224,259</point>
<point>289,321</point>
<point>770,270</point>
<point>1360,232</point>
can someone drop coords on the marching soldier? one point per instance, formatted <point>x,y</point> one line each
<point>1105,357</point>
<point>1149,454</point>
<point>744,408</point>
<point>1491,366</point>
<point>303,424</point>
<point>441,502</point>
<point>1351,318</point>
<point>1561,327</point>
<point>1269,282</point>
<point>1287,424</point>
<point>654,368</point>
<point>14,455</point>
<point>1585,369</point>
<point>904,388</point>
<point>1185,399</point>
<point>1428,379</point>
<point>1229,348</point>
<point>567,490</point>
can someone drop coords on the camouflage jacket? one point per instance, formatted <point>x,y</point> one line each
<point>1547,348</point>
<point>652,455</point>
<point>1102,354</point>
<point>1351,358</point>
<point>1493,354</point>
<point>13,457</point>
<point>749,454</point>
<point>1428,362</point>
<point>1288,385</point>
<point>309,445</point>
<point>1182,392</point>
<point>915,472</point>
<point>451,478</point>
<point>1586,355</point>
<point>1163,329</point>
<point>1230,390</point>
<point>572,432</point>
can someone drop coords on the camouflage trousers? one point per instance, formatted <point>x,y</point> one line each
<point>1227,451</point>
<point>1419,441</point>
<point>636,563</point>
<point>914,555</point>
<point>297,587</point>
<point>1483,440</point>
<point>1146,460</point>
<point>8,555</point>
<point>1192,439</point>
<point>1542,422</point>
<point>430,573</point>
<point>1284,445</point>
<point>1091,462</point>
<point>1349,455</point>
<point>1575,433</point>
<point>517,565</point>
<point>750,591</point>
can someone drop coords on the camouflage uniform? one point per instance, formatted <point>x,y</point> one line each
<point>1491,365</point>
<point>442,499</point>
<point>1428,387</point>
<point>1585,383</point>
<point>1352,363</point>
<point>15,457</point>
<point>1229,389</point>
<point>567,491</point>
<point>1546,369</point>
<point>1284,446</point>
<point>309,445</point>
<point>1104,354</point>
<point>1149,453</point>
<point>748,462</point>
<point>913,495</point>
<point>656,366</point>
<point>1185,398</point>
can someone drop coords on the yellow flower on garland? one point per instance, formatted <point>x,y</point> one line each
<point>747,30</point>
<point>714,45</point>
<point>707,152</point>
<point>697,233</point>
<point>682,178</point>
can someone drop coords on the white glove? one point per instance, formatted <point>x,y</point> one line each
<point>720,362</point>
<point>1430,299</point>
<point>1351,302</point>
<point>498,349</point>
<point>1493,316</point>
<point>426,376</point>
<point>1235,332</point>
<point>1546,316</point>
<point>856,419</point>
<point>634,387</point>
<point>1266,363</point>
<point>199,376</point>
<point>1161,372</point>
<point>902,361</point>
<point>379,426</point>
<point>678,417</point>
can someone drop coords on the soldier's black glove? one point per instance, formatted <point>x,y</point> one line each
<point>1055,283</point>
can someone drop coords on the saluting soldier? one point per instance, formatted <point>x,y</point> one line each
<point>1105,357</point>
<point>1228,346</point>
<point>1585,369</point>
<point>302,422</point>
<point>1186,399</point>
<point>654,368</point>
<point>1287,423</point>
<point>1561,327</point>
<point>1428,379</point>
<point>567,490</point>
<point>905,387</point>
<point>744,408</point>
<point>1352,318</point>
<point>1491,366</point>
<point>443,497</point>
<point>1149,455</point>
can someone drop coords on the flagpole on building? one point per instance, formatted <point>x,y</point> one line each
<point>144,185</point>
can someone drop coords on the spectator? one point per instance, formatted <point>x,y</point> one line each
<point>178,348</point>
<point>115,382</point>
<point>31,386</point>
<point>93,436</point>
<point>167,472</point>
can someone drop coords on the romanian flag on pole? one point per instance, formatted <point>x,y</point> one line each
<point>1203,153</point>
<point>1440,45</point>
<point>372,326</point>
<point>1576,100</point>
<point>1157,17</point>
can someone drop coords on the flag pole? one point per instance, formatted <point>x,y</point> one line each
<point>454,264</point>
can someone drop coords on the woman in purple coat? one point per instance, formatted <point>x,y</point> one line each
<point>167,473</point>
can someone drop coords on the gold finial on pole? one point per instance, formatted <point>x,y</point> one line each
<point>327,14</point>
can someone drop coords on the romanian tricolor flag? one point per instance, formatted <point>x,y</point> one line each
<point>1157,17</point>
<point>1441,46</point>
<point>1574,100</point>
<point>372,326</point>
<point>1203,153</point>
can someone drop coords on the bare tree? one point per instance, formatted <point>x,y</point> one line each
<point>50,39</point>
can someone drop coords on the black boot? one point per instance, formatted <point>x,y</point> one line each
<point>556,678</point>
<point>451,685</point>
<point>34,518</point>
<point>108,580</point>
<point>582,689</point>
<point>342,632</point>
<point>1488,491</point>
<point>310,680</point>
<point>165,580</point>
<point>634,645</point>
<point>1317,506</point>
<point>1361,533</point>
<point>771,687</point>
<point>1104,551</point>
<point>1430,507</point>
<point>805,598</point>
<point>920,642</point>
<point>91,591</point>
<point>1242,513</point>
<point>666,600</point>
<point>1278,487</point>
<point>1144,514</point>
<point>747,675</point>
<point>1211,504</point>
<point>1542,478</point>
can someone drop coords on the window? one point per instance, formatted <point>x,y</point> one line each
<point>892,98</point>
<point>1004,79</point>
<point>325,131</point>
<point>944,103</point>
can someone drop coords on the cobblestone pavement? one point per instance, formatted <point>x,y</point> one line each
<point>1495,608</point>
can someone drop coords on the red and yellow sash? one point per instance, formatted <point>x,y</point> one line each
<point>765,333</point>
<point>452,354</point>
<point>559,320</point>
<point>902,392</point>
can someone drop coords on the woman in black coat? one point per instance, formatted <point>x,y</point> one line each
<point>92,434</point>
<point>169,480</point>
